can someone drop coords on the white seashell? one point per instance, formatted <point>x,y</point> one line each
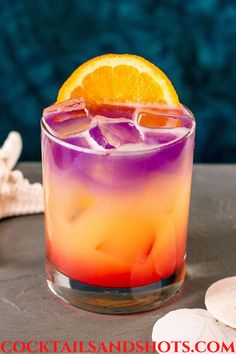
<point>6,189</point>
<point>24,199</point>
<point>191,325</point>
<point>17,195</point>
<point>3,172</point>
<point>15,176</point>
<point>220,301</point>
<point>11,150</point>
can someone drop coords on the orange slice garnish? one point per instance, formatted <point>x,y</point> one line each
<point>119,79</point>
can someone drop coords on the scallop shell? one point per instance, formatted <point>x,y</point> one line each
<point>220,301</point>
<point>191,325</point>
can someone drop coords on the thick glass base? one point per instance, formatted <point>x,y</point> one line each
<point>113,300</point>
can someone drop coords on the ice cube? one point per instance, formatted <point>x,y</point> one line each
<point>154,116</point>
<point>156,136</point>
<point>161,125</point>
<point>114,133</point>
<point>67,118</point>
<point>159,118</point>
<point>113,111</point>
<point>80,140</point>
<point>83,140</point>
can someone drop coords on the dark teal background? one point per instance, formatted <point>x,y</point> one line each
<point>193,41</point>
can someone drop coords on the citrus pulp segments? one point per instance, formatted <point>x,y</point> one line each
<point>119,78</point>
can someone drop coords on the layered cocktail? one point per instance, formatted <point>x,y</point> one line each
<point>117,178</point>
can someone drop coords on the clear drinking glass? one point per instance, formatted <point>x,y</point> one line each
<point>116,221</point>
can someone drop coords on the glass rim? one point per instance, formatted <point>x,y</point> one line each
<point>115,152</point>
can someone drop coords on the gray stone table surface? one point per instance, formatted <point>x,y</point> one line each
<point>28,311</point>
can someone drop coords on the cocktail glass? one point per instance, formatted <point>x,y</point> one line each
<point>116,219</point>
